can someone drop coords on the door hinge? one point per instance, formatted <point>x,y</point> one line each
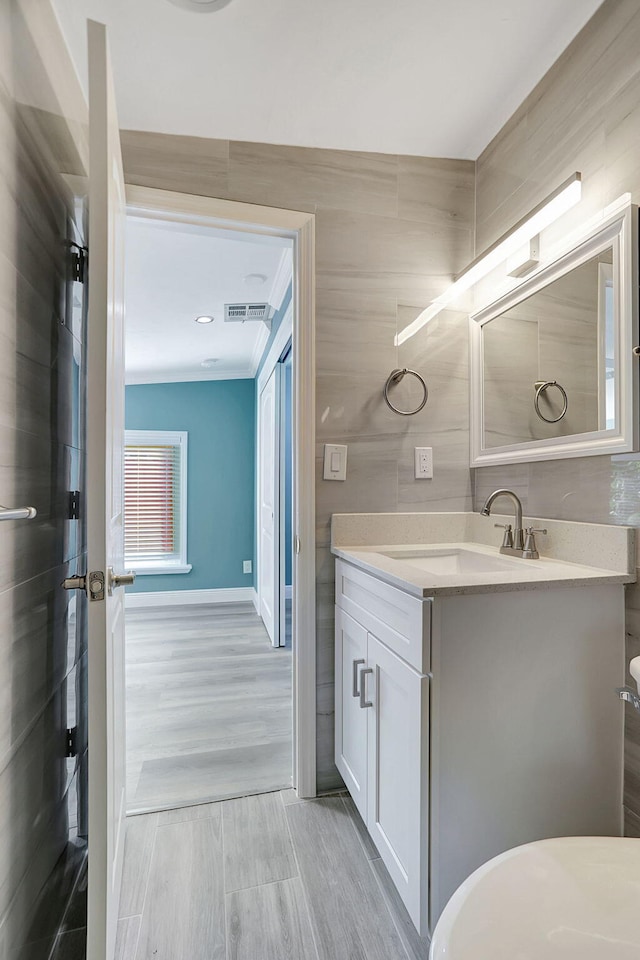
<point>77,262</point>
<point>71,749</point>
<point>74,504</point>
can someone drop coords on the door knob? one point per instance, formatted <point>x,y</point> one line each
<point>120,579</point>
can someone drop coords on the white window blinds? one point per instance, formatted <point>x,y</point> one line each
<point>154,493</point>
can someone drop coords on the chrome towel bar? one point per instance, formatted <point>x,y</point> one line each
<point>18,513</point>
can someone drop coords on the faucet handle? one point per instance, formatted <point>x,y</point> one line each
<point>530,551</point>
<point>507,540</point>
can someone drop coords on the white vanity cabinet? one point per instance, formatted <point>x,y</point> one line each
<point>470,723</point>
<point>382,729</point>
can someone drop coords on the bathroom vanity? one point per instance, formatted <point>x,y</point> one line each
<point>476,704</point>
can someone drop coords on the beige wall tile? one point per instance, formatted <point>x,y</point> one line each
<point>183,164</point>
<point>303,178</point>
<point>386,255</point>
<point>436,190</point>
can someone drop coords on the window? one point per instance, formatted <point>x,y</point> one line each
<point>155,501</point>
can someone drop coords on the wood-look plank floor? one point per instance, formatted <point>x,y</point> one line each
<point>267,877</point>
<point>209,711</point>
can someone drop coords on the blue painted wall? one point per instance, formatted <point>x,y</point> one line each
<point>220,418</point>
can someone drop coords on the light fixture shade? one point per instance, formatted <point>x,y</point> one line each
<point>542,216</point>
<point>200,6</point>
<point>204,318</point>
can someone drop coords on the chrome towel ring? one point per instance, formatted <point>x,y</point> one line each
<point>540,387</point>
<point>395,377</point>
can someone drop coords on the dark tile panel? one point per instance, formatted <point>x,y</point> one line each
<point>35,211</point>
<point>33,813</point>
<point>36,474</point>
<point>38,650</point>
<point>63,888</point>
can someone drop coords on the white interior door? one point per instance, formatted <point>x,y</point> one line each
<point>269,505</point>
<point>105,542</point>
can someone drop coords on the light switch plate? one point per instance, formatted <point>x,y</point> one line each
<point>335,461</point>
<point>424,463</point>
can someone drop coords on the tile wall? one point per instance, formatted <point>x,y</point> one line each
<point>584,115</point>
<point>390,233</point>
<point>42,628</point>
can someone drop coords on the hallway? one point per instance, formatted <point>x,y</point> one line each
<point>208,706</point>
<point>266,877</point>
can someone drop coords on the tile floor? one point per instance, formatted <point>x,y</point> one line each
<point>265,877</point>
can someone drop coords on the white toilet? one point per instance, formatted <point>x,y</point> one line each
<point>568,898</point>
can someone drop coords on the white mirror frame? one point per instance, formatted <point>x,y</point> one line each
<point>619,231</point>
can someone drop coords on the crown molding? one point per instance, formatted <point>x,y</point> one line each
<point>164,376</point>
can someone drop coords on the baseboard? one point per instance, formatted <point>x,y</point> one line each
<point>255,601</point>
<point>173,598</point>
<point>288,591</point>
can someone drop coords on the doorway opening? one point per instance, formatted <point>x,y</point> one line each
<point>210,471</point>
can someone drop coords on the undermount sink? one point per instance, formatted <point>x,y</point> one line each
<point>449,561</point>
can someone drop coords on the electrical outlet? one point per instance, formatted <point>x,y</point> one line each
<point>424,463</point>
<point>247,566</point>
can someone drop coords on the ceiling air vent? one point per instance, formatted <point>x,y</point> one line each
<point>241,312</point>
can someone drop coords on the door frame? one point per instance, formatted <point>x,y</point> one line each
<point>298,227</point>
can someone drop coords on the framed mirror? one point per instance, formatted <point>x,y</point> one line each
<point>553,369</point>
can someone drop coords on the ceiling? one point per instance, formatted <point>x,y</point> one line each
<point>424,77</point>
<point>175,273</point>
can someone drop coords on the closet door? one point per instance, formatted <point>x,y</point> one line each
<point>398,752</point>
<point>351,717</point>
<point>269,505</point>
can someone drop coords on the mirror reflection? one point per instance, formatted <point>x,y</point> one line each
<point>549,364</point>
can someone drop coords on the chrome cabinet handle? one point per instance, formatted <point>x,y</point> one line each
<point>364,703</point>
<point>355,692</point>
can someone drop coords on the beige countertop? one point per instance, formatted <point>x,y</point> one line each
<point>515,574</point>
<point>566,552</point>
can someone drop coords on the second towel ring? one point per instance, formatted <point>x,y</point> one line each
<point>395,377</point>
<point>540,387</point>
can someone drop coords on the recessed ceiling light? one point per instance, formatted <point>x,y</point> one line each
<point>255,279</point>
<point>209,362</point>
<point>200,6</point>
<point>204,319</point>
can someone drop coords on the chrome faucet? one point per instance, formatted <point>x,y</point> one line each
<point>513,541</point>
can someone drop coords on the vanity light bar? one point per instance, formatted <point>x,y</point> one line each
<point>542,216</point>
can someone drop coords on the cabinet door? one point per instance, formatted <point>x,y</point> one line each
<point>351,719</point>
<point>398,799</point>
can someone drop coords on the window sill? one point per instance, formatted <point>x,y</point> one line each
<point>160,569</point>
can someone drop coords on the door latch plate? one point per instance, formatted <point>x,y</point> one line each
<point>95,582</point>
